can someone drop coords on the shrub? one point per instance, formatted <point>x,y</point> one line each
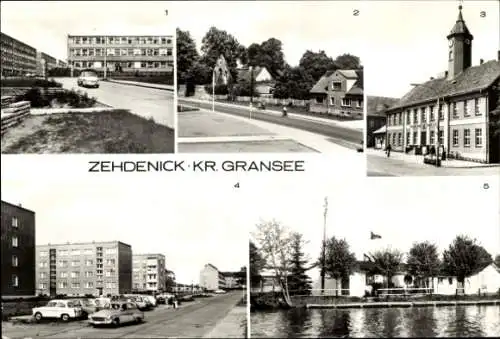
<point>219,89</point>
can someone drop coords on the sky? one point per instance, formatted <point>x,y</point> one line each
<point>407,41</point>
<point>300,26</point>
<point>190,220</point>
<point>51,21</point>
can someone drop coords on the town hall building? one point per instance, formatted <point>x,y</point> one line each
<point>461,108</point>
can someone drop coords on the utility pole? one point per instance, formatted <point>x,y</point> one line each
<point>323,255</point>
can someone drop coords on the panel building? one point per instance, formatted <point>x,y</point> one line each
<point>126,54</point>
<point>211,278</point>
<point>96,268</point>
<point>18,58</point>
<point>44,63</point>
<point>18,251</point>
<point>149,273</point>
<point>466,119</point>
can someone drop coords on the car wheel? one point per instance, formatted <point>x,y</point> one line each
<point>116,322</point>
<point>65,317</point>
<point>138,320</point>
<point>38,316</point>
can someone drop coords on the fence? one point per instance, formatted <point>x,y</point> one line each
<point>14,114</point>
<point>402,291</point>
<point>268,101</point>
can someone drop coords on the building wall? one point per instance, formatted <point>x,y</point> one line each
<point>149,272</point>
<point>18,58</point>
<point>445,285</point>
<point>144,54</point>
<point>373,123</point>
<point>84,268</point>
<point>209,278</point>
<point>18,278</point>
<point>487,281</point>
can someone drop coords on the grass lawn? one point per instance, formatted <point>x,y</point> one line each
<point>101,132</point>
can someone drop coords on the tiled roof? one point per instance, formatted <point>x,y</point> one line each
<point>322,85</point>
<point>378,105</point>
<point>349,73</point>
<point>472,79</point>
<point>244,73</point>
<point>460,26</point>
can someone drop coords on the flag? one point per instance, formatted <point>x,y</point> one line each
<point>374,236</point>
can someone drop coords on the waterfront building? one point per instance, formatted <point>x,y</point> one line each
<point>125,54</point>
<point>18,250</point>
<point>94,268</point>
<point>211,279</point>
<point>467,117</point>
<point>18,58</point>
<point>149,273</point>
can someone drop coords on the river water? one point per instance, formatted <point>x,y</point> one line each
<point>452,321</point>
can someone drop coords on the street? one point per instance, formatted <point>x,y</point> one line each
<point>191,319</point>
<point>146,102</point>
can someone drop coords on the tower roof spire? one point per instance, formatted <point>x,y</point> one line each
<point>460,26</point>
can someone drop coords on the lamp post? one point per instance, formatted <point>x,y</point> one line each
<point>438,118</point>
<point>323,254</point>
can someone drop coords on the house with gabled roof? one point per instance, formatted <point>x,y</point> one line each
<point>338,93</point>
<point>263,80</point>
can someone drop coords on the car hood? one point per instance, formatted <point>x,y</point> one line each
<point>105,313</point>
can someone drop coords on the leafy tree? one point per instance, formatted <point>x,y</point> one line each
<point>347,61</point>
<point>218,42</point>
<point>243,87</point>
<point>423,261</point>
<point>387,263</point>
<point>169,283</point>
<point>464,256</point>
<point>187,55</point>
<point>497,260</point>
<point>300,282</point>
<point>316,64</point>
<point>340,261</point>
<point>257,263</point>
<point>295,83</point>
<point>242,276</point>
<point>268,54</point>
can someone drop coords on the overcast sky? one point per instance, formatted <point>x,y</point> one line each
<point>191,219</point>
<point>299,25</point>
<point>407,41</point>
<point>46,24</point>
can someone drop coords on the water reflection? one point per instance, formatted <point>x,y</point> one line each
<point>464,321</point>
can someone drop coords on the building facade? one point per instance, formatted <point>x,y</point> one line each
<point>44,63</point>
<point>18,251</point>
<point>18,58</point>
<point>232,280</point>
<point>338,93</point>
<point>461,108</point>
<point>96,268</point>
<point>376,117</point>
<point>126,54</point>
<point>211,279</point>
<point>149,272</point>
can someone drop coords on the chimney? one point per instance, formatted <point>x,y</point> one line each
<point>481,61</point>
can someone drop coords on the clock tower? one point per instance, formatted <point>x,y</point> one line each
<point>459,47</point>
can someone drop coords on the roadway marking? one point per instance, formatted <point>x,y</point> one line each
<point>197,140</point>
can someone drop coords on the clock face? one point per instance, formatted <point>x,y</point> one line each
<point>450,43</point>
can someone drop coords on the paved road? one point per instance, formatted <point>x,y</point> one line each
<point>194,319</point>
<point>147,102</point>
<point>382,166</point>
<point>329,130</point>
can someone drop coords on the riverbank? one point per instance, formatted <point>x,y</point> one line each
<point>405,304</point>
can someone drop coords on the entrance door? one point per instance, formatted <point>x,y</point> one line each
<point>423,138</point>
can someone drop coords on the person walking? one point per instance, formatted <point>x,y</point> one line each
<point>388,149</point>
<point>284,111</point>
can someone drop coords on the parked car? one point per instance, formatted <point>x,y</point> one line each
<point>142,303</point>
<point>151,299</point>
<point>59,309</point>
<point>88,79</point>
<point>90,306</point>
<point>118,313</point>
<point>160,299</point>
<point>220,292</point>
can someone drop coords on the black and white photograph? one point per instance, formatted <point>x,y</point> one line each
<point>415,262</point>
<point>269,76</point>
<point>90,257</point>
<point>87,77</point>
<point>433,88</point>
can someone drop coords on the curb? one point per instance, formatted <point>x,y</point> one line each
<point>145,85</point>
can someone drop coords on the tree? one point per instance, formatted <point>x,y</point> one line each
<point>347,61</point>
<point>387,263</point>
<point>274,242</point>
<point>243,87</point>
<point>257,263</point>
<point>242,276</point>
<point>186,56</point>
<point>294,83</point>
<point>340,261</point>
<point>169,283</point>
<point>218,42</point>
<point>423,261</point>
<point>464,256</point>
<point>299,281</point>
<point>497,260</point>
<point>316,64</point>
<point>268,54</point>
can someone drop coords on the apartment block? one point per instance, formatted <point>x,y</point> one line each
<point>211,278</point>
<point>18,250</point>
<point>44,63</point>
<point>126,54</point>
<point>96,268</point>
<point>18,58</point>
<point>149,273</point>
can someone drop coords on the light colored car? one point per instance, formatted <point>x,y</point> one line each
<point>151,299</point>
<point>220,292</point>
<point>92,305</point>
<point>142,303</point>
<point>59,309</point>
<point>88,79</point>
<point>118,313</point>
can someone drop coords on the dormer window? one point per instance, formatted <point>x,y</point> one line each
<point>336,86</point>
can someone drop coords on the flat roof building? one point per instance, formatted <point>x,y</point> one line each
<point>149,273</point>
<point>18,58</point>
<point>18,251</point>
<point>94,268</point>
<point>211,278</point>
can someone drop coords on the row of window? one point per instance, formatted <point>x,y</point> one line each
<point>344,102</point>
<point>64,284</point>
<point>134,65</point>
<point>415,118</point>
<point>77,263</point>
<point>87,251</point>
<point>121,52</point>
<point>120,40</point>
<point>396,138</point>
<point>76,274</point>
<point>18,49</point>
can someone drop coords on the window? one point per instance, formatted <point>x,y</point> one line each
<point>15,222</point>
<point>450,56</point>
<point>75,263</point>
<point>422,115</point>
<point>89,284</point>
<point>75,274</point>
<point>14,241</point>
<point>15,280</point>
<point>89,274</point>
<point>15,261</point>
<point>110,251</point>
<point>466,109</point>
<point>476,107</point>
<point>478,136</point>
<point>63,263</point>
<point>466,137</point>
<point>441,137</point>
<point>394,139</point>
<point>455,137</point>
<point>414,138</point>
<point>110,261</point>
<point>63,275</point>
<point>109,273</point>
<point>75,285</point>
<point>336,86</point>
<point>431,139</point>
<point>454,110</point>
<point>408,117</point>
<point>400,135</point>
<point>63,284</point>
<point>42,286</point>
<point>346,102</point>
<point>408,136</point>
<point>43,264</point>
<point>44,254</point>
<point>415,116</point>
<point>431,113</point>
<point>43,275</point>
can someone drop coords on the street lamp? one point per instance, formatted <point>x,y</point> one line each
<point>438,118</point>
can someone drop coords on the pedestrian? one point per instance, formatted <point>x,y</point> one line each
<point>284,111</point>
<point>175,302</point>
<point>388,149</point>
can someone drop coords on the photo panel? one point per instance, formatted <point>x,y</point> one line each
<point>87,77</point>
<point>433,88</point>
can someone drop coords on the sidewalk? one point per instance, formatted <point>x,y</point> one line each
<point>143,84</point>
<point>232,325</point>
<point>419,159</point>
